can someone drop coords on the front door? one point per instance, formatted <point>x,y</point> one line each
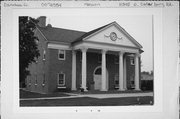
<point>97,82</point>
<point>97,79</point>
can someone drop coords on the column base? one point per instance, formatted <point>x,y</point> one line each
<point>85,89</point>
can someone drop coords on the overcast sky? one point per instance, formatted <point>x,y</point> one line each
<point>138,26</point>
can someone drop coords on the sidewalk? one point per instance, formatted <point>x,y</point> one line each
<point>102,96</point>
<point>98,96</point>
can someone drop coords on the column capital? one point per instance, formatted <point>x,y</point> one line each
<point>104,50</point>
<point>121,52</point>
<point>137,55</point>
<point>84,49</point>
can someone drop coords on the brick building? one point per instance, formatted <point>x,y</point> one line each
<point>106,58</point>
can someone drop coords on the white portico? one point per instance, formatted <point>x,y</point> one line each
<point>111,38</point>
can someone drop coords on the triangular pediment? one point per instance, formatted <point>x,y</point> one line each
<point>113,34</point>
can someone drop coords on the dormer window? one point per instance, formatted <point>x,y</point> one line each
<point>61,55</point>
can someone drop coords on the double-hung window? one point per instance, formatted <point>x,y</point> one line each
<point>61,79</point>
<point>61,55</point>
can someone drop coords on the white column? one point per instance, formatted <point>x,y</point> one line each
<point>121,71</point>
<point>103,78</point>
<point>73,86</point>
<point>84,68</point>
<point>137,72</point>
<point>124,71</point>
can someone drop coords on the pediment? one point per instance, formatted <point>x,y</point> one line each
<point>113,34</point>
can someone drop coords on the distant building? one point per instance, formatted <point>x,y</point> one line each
<point>106,58</point>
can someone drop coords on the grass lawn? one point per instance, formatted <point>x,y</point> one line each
<point>86,101</point>
<point>27,94</point>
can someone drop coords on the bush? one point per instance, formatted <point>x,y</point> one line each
<point>147,85</point>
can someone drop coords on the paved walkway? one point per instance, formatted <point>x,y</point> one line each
<point>102,96</point>
<point>98,96</point>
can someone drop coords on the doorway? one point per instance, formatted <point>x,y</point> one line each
<point>97,78</point>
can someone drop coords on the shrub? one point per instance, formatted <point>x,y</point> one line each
<point>147,85</point>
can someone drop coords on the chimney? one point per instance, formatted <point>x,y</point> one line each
<point>42,21</point>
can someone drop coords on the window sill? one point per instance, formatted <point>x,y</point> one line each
<point>61,59</point>
<point>116,87</point>
<point>61,87</point>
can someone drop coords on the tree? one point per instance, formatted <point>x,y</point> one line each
<point>28,49</point>
<point>152,73</point>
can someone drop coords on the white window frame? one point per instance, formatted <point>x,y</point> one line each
<point>64,77</point>
<point>64,54</point>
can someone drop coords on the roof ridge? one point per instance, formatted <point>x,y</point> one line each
<point>61,29</point>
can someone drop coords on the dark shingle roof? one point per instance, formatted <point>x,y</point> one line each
<point>60,35</point>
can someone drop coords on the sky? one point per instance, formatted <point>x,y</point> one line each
<point>138,26</point>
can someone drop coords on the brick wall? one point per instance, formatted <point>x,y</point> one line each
<point>39,69</point>
<point>57,66</point>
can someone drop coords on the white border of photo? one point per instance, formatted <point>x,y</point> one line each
<point>165,65</point>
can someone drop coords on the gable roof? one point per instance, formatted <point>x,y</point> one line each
<point>60,35</point>
<point>93,32</point>
<point>72,36</point>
